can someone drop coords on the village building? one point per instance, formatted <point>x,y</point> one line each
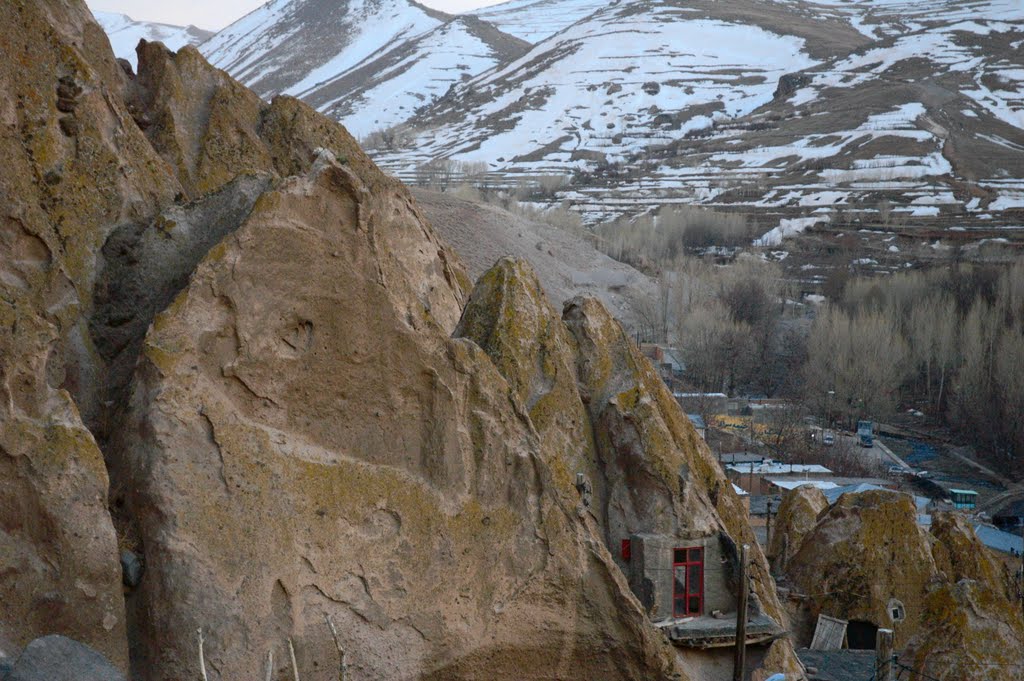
<point>963,499</point>
<point>689,586</point>
<point>771,477</point>
<point>702,403</point>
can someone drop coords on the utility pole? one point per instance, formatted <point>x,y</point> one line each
<point>768,530</point>
<point>883,655</point>
<point>738,669</point>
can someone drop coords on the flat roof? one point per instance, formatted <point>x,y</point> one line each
<point>776,468</point>
<point>793,484</point>
<point>963,491</point>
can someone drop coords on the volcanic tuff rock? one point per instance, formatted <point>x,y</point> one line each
<point>58,658</point>
<point>649,470</point>
<point>867,549</point>
<point>798,514</point>
<point>416,511</point>
<point>74,164</point>
<point>510,318</point>
<point>297,434</point>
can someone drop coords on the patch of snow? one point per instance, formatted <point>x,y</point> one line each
<point>788,227</point>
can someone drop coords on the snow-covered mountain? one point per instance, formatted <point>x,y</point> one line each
<point>627,77</point>
<point>387,88</point>
<point>367,63</point>
<point>125,33</point>
<point>295,46</point>
<point>928,121</point>
<point>797,113</point>
<point>802,114</point>
<point>537,20</point>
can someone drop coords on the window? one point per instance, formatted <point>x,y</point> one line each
<point>897,611</point>
<point>688,583</point>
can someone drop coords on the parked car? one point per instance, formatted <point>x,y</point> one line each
<point>897,471</point>
<point>828,438</point>
<point>865,433</point>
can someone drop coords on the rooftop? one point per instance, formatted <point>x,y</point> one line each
<point>719,632</point>
<point>793,484</point>
<point>769,467</point>
<point>998,540</point>
<point>838,665</point>
<point>963,491</point>
<point>739,490</point>
<point>692,395</point>
<point>741,457</point>
<point>697,420</point>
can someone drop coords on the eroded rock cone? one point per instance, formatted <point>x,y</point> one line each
<point>298,435</point>
<point>798,515</point>
<point>306,440</point>
<point>579,373</point>
<point>866,559</point>
<point>510,317</point>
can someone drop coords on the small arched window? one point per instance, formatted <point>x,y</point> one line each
<point>896,610</point>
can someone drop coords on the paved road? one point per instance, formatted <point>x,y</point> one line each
<point>879,454</point>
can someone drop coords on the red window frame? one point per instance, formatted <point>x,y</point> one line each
<point>688,581</point>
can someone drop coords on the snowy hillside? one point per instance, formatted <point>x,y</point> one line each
<point>388,88</point>
<point>125,33</point>
<point>812,116</point>
<point>367,63</point>
<point>294,46</point>
<point>537,20</point>
<point>931,121</point>
<point>630,76</point>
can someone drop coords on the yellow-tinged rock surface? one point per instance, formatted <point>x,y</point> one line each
<point>866,552</point>
<point>305,439</point>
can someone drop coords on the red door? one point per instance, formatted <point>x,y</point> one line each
<point>688,587</point>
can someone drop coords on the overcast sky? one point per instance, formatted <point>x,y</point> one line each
<point>216,14</point>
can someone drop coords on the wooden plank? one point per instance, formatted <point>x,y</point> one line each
<point>829,633</point>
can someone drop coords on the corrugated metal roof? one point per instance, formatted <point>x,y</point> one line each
<point>999,540</point>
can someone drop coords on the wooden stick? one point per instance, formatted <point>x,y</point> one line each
<point>295,665</point>
<point>343,667</point>
<point>270,665</point>
<point>740,660</point>
<point>202,660</point>
<point>883,655</point>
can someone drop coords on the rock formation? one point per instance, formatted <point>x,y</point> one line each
<point>262,334</point>
<point>579,373</point>
<point>413,473</point>
<point>75,164</point>
<point>866,555</point>
<point>798,515</point>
